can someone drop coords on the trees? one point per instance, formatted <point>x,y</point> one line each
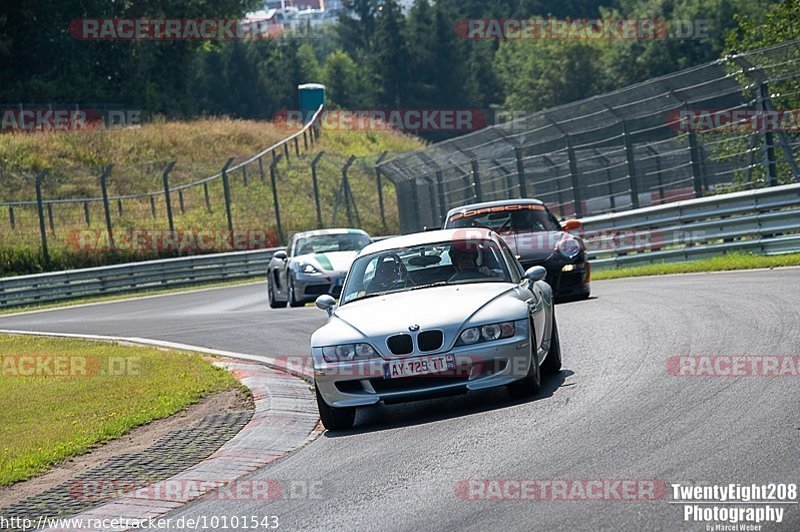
<point>374,56</point>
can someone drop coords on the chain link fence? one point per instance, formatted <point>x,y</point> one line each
<point>162,209</point>
<point>728,125</point>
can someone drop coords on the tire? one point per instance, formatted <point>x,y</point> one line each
<point>552,362</point>
<point>529,385</point>
<point>335,418</point>
<point>271,292</point>
<point>292,301</point>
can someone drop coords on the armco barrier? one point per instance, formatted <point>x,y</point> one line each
<point>125,278</point>
<point>135,277</point>
<point>765,221</point>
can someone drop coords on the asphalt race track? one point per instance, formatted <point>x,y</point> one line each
<point>614,412</point>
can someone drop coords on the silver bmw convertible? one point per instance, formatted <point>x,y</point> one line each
<point>433,314</point>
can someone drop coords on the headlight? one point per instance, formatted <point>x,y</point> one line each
<point>487,333</point>
<point>490,332</point>
<point>348,352</point>
<point>569,247</point>
<point>307,268</point>
<point>470,336</point>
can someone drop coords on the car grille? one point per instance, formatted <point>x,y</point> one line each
<point>430,340</point>
<point>400,344</point>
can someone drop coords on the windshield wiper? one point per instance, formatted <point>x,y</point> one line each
<point>437,283</point>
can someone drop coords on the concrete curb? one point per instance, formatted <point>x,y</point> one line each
<point>285,419</point>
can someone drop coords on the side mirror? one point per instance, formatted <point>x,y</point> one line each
<point>535,273</point>
<point>280,254</point>
<point>571,225</point>
<point>326,303</point>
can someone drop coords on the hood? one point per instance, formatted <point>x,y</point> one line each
<point>536,246</point>
<point>436,307</point>
<point>333,261</point>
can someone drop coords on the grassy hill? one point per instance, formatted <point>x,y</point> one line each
<point>199,148</point>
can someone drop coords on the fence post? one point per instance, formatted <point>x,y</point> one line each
<point>244,175</point>
<point>51,219</point>
<point>659,177</point>
<point>694,156</point>
<point>153,206</point>
<point>631,165</point>
<point>11,217</point>
<point>432,199</point>
<point>573,171</point>
<point>440,190</point>
<point>439,184</point>
<point>606,162</point>
<point>349,201</point>
<point>40,210</point>
<point>207,196</point>
<point>106,206</point>
<point>261,169</point>
<point>276,203</point>
<point>86,214</point>
<point>379,184</point>
<point>297,146</point>
<point>476,179</point>
<point>167,199</point>
<point>119,207</point>
<point>315,184</point>
<point>415,202</point>
<point>180,201</point>
<point>770,163</point>
<point>226,189</point>
<point>305,140</point>
<point>286,152</point>
<point>552,164</point>
<point>523,188</point>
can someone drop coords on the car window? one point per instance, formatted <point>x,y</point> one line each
<point>331,243</point>
<point>425,266</point>
<point>517,271</point>
<point>505,218</point>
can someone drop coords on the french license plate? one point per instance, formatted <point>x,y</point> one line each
<point>418,366</point>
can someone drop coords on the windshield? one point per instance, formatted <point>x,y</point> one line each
<point>425,266</point>
<point>507,218</point>
<point>329,243</point>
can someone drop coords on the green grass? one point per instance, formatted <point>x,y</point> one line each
<point>103,391</point>
<point>731,261</point>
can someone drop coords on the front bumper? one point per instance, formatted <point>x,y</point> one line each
<point>478,366</point>
<point>569,278</point>
<point>310,286</point>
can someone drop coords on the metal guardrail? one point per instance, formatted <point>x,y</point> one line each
<point>134,277</point>
<point>765,221</point>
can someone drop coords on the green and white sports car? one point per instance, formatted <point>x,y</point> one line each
<point>314,263</point>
